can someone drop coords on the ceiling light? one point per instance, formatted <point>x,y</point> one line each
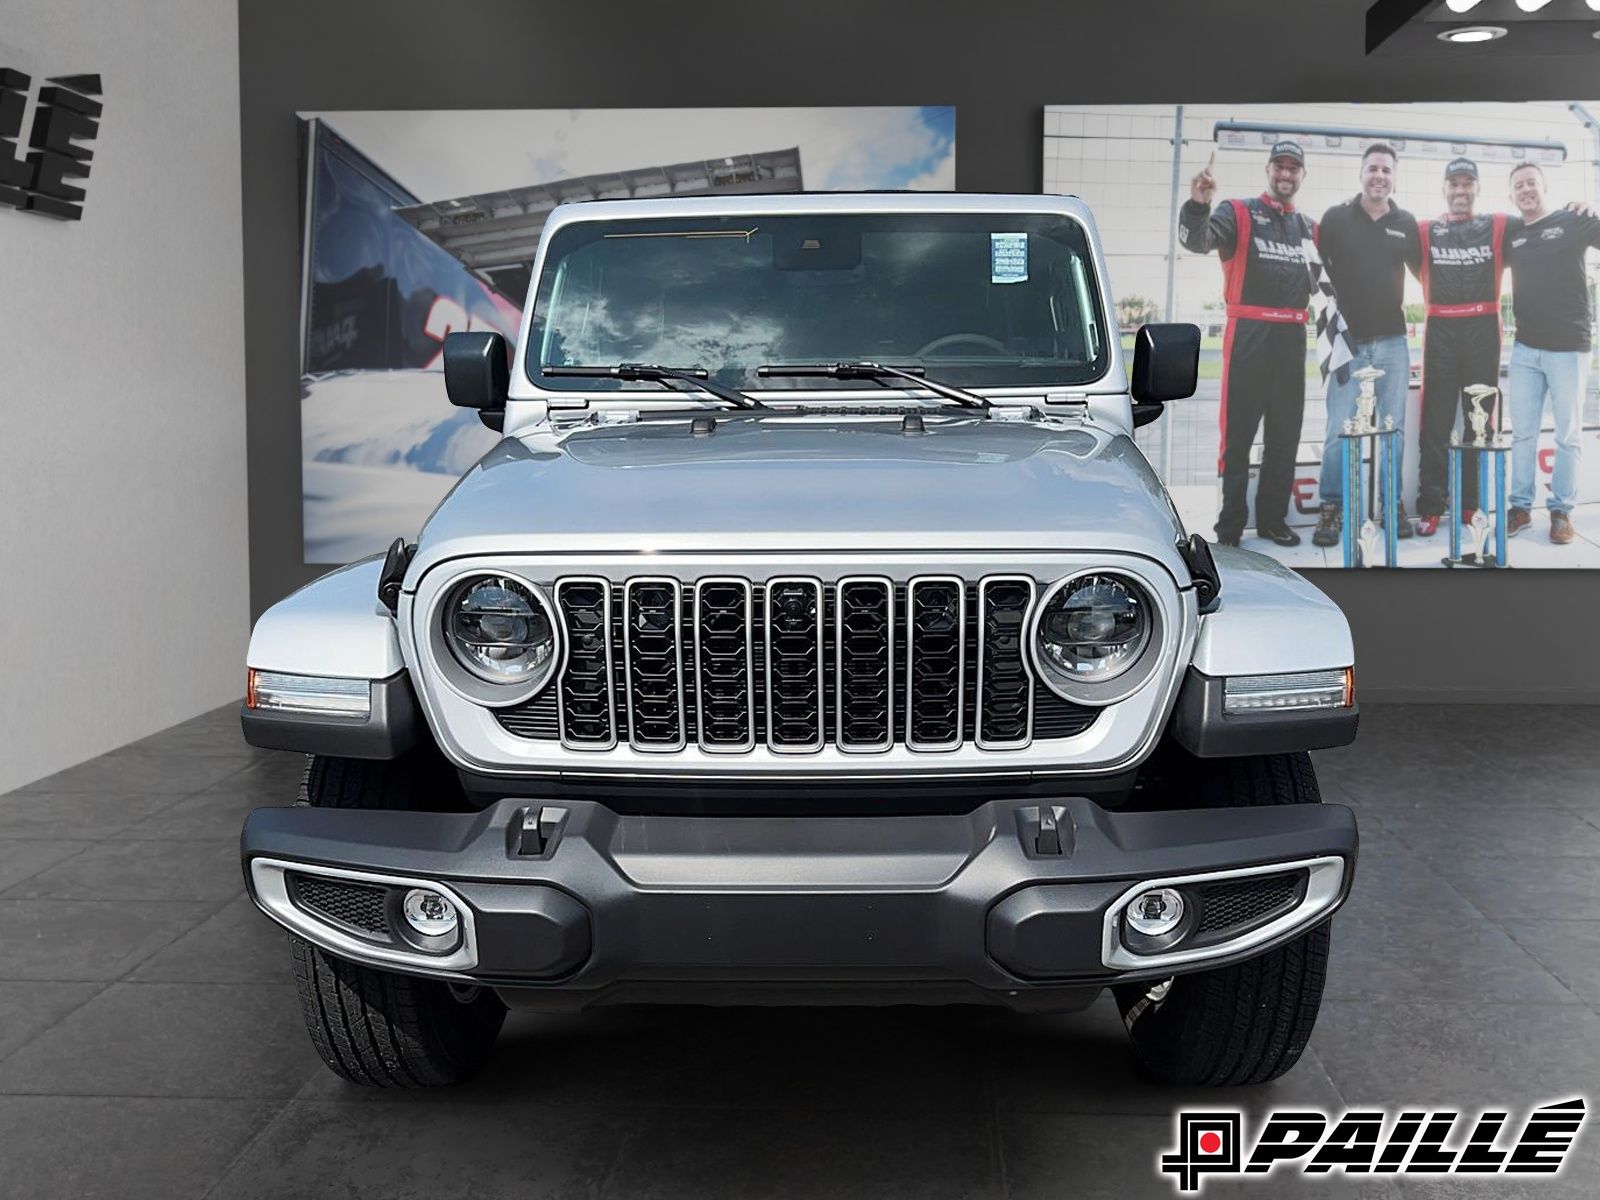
<point>1461,6</point>
<point>1531,5</point>
<point>1473,33</point>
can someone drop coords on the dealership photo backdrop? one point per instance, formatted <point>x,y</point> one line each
<point>1134,164</point>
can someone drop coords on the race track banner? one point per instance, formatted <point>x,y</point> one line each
<point>418,224</point>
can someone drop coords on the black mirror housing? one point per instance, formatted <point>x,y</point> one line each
<point>1166,363</point>
<point>477,373</point>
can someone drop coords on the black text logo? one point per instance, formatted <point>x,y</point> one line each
<point>1376,1142</point>
<point>63,120</point>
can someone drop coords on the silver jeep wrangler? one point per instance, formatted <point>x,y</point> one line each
<point>816,633</point>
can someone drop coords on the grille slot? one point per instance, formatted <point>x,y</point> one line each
<point>358,906</point>
<point>653,663</point>
<point>1005,684</point>
<point>936,610</point>
<point>794,624</point>
<point>1239,903</point>
<point>793,664</point>
<point>724,664</point>
<point>587,719</point>
<point>864,649</point>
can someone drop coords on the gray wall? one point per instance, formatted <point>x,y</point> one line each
<point>1517,635</point>
<point>123,561</point>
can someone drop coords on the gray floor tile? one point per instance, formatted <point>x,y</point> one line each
<point>816,1153</point>
<point>134,773</point>
<point>28,1009</point>
<point>1458,1051</point>
<point>214,733</point>
<point>1570,950</point>
<point>237,945</point>
<point>96,1148</point>
<point>162,1039</point>
<point>131,870</point>
<point>88,939</point>
<point>1406,934</point>
<point>438,1152</point>
<point>1466,831</point>
<point>1083,1063</point>
<point>1530,888</point>
<point>21,858</point>
<point>1089,1157</point>
<point>73,814</point>
<point>212,815</point>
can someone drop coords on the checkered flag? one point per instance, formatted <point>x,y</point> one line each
<point>1334,351</point>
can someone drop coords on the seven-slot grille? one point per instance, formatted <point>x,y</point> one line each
<point>794,664</point>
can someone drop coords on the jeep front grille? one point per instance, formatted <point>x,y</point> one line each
<point>793,664</point>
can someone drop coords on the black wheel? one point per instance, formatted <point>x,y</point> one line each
<point>1250,1022</point>
<point>384,1029</point>
<point>419,780</point>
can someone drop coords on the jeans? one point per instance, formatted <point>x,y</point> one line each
<point>1389,355</point>
<point>1561,374</point>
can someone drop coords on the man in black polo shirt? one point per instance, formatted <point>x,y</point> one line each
<point>1366,245</point>
<point>1550,299</point>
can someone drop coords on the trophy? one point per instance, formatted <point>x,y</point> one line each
<point>1479,531</point>
<point>1480,399</point>
<point>1367,398</point>
<point>1481,452</point>
<point>1367,447</point>
<point>1369,542</point>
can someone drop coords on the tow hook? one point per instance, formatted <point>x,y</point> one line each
<point>1151,999</point>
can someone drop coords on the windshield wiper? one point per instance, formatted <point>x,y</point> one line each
<point>880,373</point>
<point>698,376</point>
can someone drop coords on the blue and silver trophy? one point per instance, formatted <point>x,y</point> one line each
<point>1475,436</point>
<point>1364,446</point>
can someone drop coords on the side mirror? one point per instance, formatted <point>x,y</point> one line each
<point>477,374</point>
<point>1166,366</point>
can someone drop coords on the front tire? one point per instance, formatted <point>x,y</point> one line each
<point>1248,1023</point>
<point>384,1029</point>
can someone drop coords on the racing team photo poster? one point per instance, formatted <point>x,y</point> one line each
<point>416,224</point>
<point>1397,309</point>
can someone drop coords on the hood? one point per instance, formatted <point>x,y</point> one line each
<point>780,482</point>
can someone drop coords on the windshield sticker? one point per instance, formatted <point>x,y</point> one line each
<point>1008,258</point>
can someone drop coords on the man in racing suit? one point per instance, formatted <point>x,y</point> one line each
<point>1267,284</point>
<point>1463,256</point>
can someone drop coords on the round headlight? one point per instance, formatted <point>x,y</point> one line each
<point>499,630</point>
<point>1093,629</point>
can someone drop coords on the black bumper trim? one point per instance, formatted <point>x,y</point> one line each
<point>1200,726</point>
<point>759,900</point>
<point>394,726</point>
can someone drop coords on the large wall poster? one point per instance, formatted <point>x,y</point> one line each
<point>415,224</point>
<point>1509,304</point>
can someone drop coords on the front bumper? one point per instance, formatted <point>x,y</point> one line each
<point>1010,898</point>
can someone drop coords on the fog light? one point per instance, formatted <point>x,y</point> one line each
<point>1155,912</point>
<point>429,913</point>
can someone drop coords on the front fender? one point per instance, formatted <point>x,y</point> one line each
<point>1269,621</point>
<point>334,627</point>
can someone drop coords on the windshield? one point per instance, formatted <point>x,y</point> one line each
<point>980,299</point>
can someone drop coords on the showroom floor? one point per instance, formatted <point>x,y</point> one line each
<point>151,1045</point>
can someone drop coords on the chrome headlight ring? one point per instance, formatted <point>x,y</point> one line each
<point>468,643</point>
<point>1139,664</point>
